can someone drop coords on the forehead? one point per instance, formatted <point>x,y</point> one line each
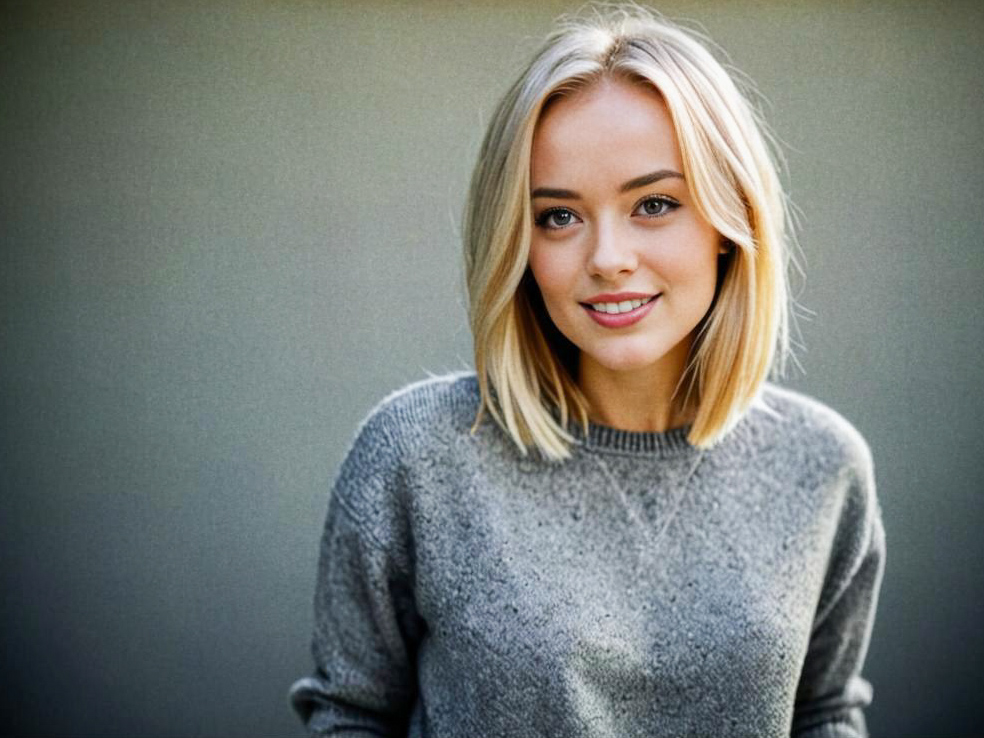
<point>618,127</point>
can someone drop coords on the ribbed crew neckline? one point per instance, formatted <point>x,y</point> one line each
<point>606,438</point>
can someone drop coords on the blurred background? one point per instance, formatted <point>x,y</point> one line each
<point>228,229</point>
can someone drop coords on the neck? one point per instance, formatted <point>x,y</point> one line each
<point>636,399</point>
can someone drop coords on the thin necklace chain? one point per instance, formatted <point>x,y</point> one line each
<point>682,487</point>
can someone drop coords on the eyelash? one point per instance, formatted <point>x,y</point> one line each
<point>668,203</point>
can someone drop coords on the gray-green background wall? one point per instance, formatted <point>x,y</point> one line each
<point>228,229</point>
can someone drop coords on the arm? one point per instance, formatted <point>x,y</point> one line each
<point>366,627</point>
<point>832,693</point>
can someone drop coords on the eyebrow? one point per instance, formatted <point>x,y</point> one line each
<point>632,184</point>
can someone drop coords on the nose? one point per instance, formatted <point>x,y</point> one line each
<point>612,253</point>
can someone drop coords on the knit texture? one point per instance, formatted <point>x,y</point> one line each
<point>642,588</point>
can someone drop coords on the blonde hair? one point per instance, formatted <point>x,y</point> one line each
<point>526,370</point>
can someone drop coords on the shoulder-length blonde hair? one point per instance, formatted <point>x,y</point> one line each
<point>526,369</point>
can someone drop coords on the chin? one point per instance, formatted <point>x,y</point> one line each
<point>625,361</point>
<point>636,353</point>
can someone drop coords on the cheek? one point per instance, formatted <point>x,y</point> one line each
<point>701,273</point>
<point>699,286</point>
<point>554,274</point>
<point>693,265</point>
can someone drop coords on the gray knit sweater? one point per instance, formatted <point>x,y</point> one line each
<point>641,588</point>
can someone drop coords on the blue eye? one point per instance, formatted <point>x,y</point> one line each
<point>556,218</point>
<point>656,207</point>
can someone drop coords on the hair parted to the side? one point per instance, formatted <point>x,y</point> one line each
<point>526,369</point>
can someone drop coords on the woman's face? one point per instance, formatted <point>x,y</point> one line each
<point>626,265</point>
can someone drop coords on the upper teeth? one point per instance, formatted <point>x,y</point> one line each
<point>619,307</point>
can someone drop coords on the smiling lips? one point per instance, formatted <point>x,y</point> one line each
<point>619,310</point>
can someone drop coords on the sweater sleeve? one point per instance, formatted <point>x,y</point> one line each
<point>832,694</point>
<point>366,627</point>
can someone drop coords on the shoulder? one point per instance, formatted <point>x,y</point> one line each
<point>416,422</point>
<point>428,399</point>
<point>825,457</point>
<point>820,451</point>
<point>804,427</point>
<point>814,449</point>
<point>835,468</point>
<point>412,421</point>
<point>422,412</point>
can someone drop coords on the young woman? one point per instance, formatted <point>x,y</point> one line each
<point>616,526</point>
